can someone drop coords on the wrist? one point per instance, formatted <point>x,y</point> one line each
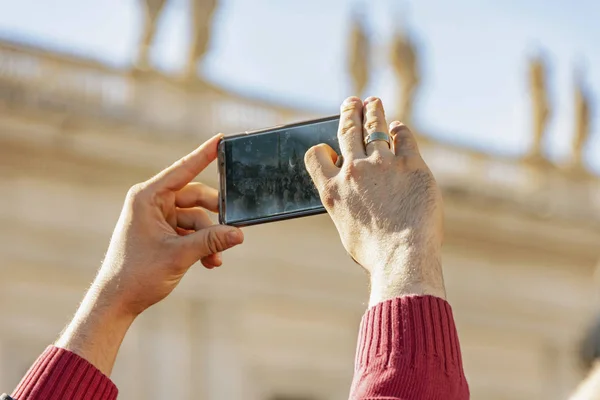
<point>410,271</point>
<point>97,329</point>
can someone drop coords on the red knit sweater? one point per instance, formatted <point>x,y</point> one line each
<point>407,350</point>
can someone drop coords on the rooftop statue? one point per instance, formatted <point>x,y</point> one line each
<point>582,123</point>
<point>540,106</point>
<point>152,9</point>
<point>359,57</point>
<point>405,63</point>
<point>201,14</point>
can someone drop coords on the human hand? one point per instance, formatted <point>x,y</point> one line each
<point>163,229</point>
<point>384,202</point>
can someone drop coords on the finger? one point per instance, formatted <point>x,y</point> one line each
<point>350,129</point>
<point>212,261</point>
<point>187,168</point>
<point>211,240</point>
<point>196,194</point>
<point>403,140</point>
<point>182,232</point>
<point>192,220</point>
<point>374,121</point>
<point>320,163</point>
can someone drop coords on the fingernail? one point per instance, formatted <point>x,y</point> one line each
<point>395,124</point>
<point>234,237</point>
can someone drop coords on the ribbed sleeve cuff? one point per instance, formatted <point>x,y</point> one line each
<point>409,346</point>
<point>59,374</point>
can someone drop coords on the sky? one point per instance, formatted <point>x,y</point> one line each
<point>473,53</point>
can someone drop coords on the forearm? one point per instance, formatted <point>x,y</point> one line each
<point>79,365</point>
<point>410,270</point>
<point>97,330</point>
<point>408,346</point>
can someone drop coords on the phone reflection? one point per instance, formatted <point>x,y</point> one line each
<point>266,174</point>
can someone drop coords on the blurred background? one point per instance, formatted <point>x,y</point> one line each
<point>96,96</point>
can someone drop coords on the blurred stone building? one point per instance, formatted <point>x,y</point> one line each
<point>279,321</point>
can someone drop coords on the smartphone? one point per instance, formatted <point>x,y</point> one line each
<point>262,173</point>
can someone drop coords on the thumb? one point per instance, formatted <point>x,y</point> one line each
<point>214,239</point>
<point>320,161</point>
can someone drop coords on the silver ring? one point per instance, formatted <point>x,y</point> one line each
<point>375,136</point>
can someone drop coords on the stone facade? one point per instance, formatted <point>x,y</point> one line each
<point>280,319</point>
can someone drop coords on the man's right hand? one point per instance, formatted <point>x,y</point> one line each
<point>384,202</point>
<point>164,228</point>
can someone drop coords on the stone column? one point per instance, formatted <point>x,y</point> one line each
<point>173,350</point>
<point>128,373</point>
<point>156,357</point>
<point>218,356</point>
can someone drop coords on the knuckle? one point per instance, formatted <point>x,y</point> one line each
<point>135,189</point>
<point>137,192</point>
<point>328,201</point>
<point>347,127</point>
<point>372,125</point>
<point>405,142</point>
<point>199,186</point>
<point>310,158</point>
<point>400,129</point>
<point>375,102</point>
<point>379,159</point>
<point>350,105</point>
<point>215,242</point>
<point>312,161</point>
<point>352,170</point>
<point>329,195</point>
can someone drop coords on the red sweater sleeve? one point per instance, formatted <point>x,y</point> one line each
<point>408,350</point>
<point>59,374</point>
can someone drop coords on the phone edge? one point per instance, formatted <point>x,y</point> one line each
<point>275,218</point>
<point>221,159</point>
<point>278,127</point>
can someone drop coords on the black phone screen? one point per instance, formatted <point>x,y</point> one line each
<point>265,174</point>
